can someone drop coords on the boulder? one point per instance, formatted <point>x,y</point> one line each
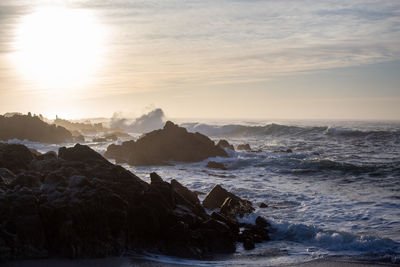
<point>244,147</point>
<point>159,147</point>
<point>229,204</point>
<point>216,165</point>
<point>225,144</point>
<point>236,207</point>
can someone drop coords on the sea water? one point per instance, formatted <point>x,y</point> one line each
<point>337,194</point>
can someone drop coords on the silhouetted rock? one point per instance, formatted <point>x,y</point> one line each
<point>225,144</point>
<point>216,165</point>
<point>32,128</point>
<point>78,204</point>
<point>158,147</point>
<point>229,204</point>
<point>244,147</point>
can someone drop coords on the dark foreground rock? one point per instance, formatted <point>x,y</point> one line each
<point>32,128</point>
<point>172,143</point>
<point>78,204</point>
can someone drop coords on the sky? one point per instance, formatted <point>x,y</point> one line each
<point>250,59</point>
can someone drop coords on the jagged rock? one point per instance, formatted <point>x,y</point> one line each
<point>78,204</point>
<point>39,131</point>
<point>216,165</point>
<point>185,192</point>
<point>230,205</point>
<point>235,206</point>
<point>244,147</point>
<point>172,143</point>
<point>225,144</point>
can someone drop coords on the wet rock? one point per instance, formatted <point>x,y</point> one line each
<point>225,144</point>
<point>263,205</point>
<point>248,244</point>
<point>244,147</point>
<point>230,205</point>
<point>216,165</point>
<point>235,206</point>
<point>261,222</point>
<point>172,143</point>
<point>284,151</point>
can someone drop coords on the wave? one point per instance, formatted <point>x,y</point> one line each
<point>273,129</point>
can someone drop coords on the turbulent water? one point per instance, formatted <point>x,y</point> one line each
<point>337,194</point>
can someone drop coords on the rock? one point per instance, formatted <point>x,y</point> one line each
<point>185,192</point>
<point>80,153</point>
<point>172,143</point>
<point>6,176</point>
<point>225,144</point>
<point>244,147</point>
<point>215,165</point>
<point>79,205</point>
<point>99,140</point>
<point>15,127</point>
<point>261,222</point>
<point>15,157</point>
<point>263,205</point>
<point>248,244</point>
<point>235,206</point>
<point>48,155</point>
<point>229,204</point>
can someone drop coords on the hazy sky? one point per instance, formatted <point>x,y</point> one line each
<point>256,59</point>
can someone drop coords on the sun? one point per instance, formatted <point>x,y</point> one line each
<point>59,48</point>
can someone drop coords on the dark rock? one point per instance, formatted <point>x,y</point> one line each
<point>244,147</point>
<point>15,157</point>
<point>48,155</point>
<point>185,192</point>
<point>15,127</point>
<point>261,222</point>
<point>80,153</point>
<point>6,176</point>
<point>215,165</point>
<point>229,204</point>
<point>172,143</point>
<point>232,223</point>
<point>284,151</point>
<point>225,144</point>
<point>248,244</point>
<point>235,206</point>
<point>263,205</point>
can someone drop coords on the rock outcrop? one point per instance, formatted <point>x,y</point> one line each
<point>32,128</point>
<point>225,144</point>
<point>159,147</point>
<point>78,204</point>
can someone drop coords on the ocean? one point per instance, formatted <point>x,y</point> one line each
<point>336,195</point>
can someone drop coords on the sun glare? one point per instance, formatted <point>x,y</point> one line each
<point>59,48</point>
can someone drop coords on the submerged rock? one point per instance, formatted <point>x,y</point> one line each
<point>216,165</point>
<point>172,143</point>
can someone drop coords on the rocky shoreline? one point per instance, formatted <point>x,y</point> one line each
<point>77,204</point>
